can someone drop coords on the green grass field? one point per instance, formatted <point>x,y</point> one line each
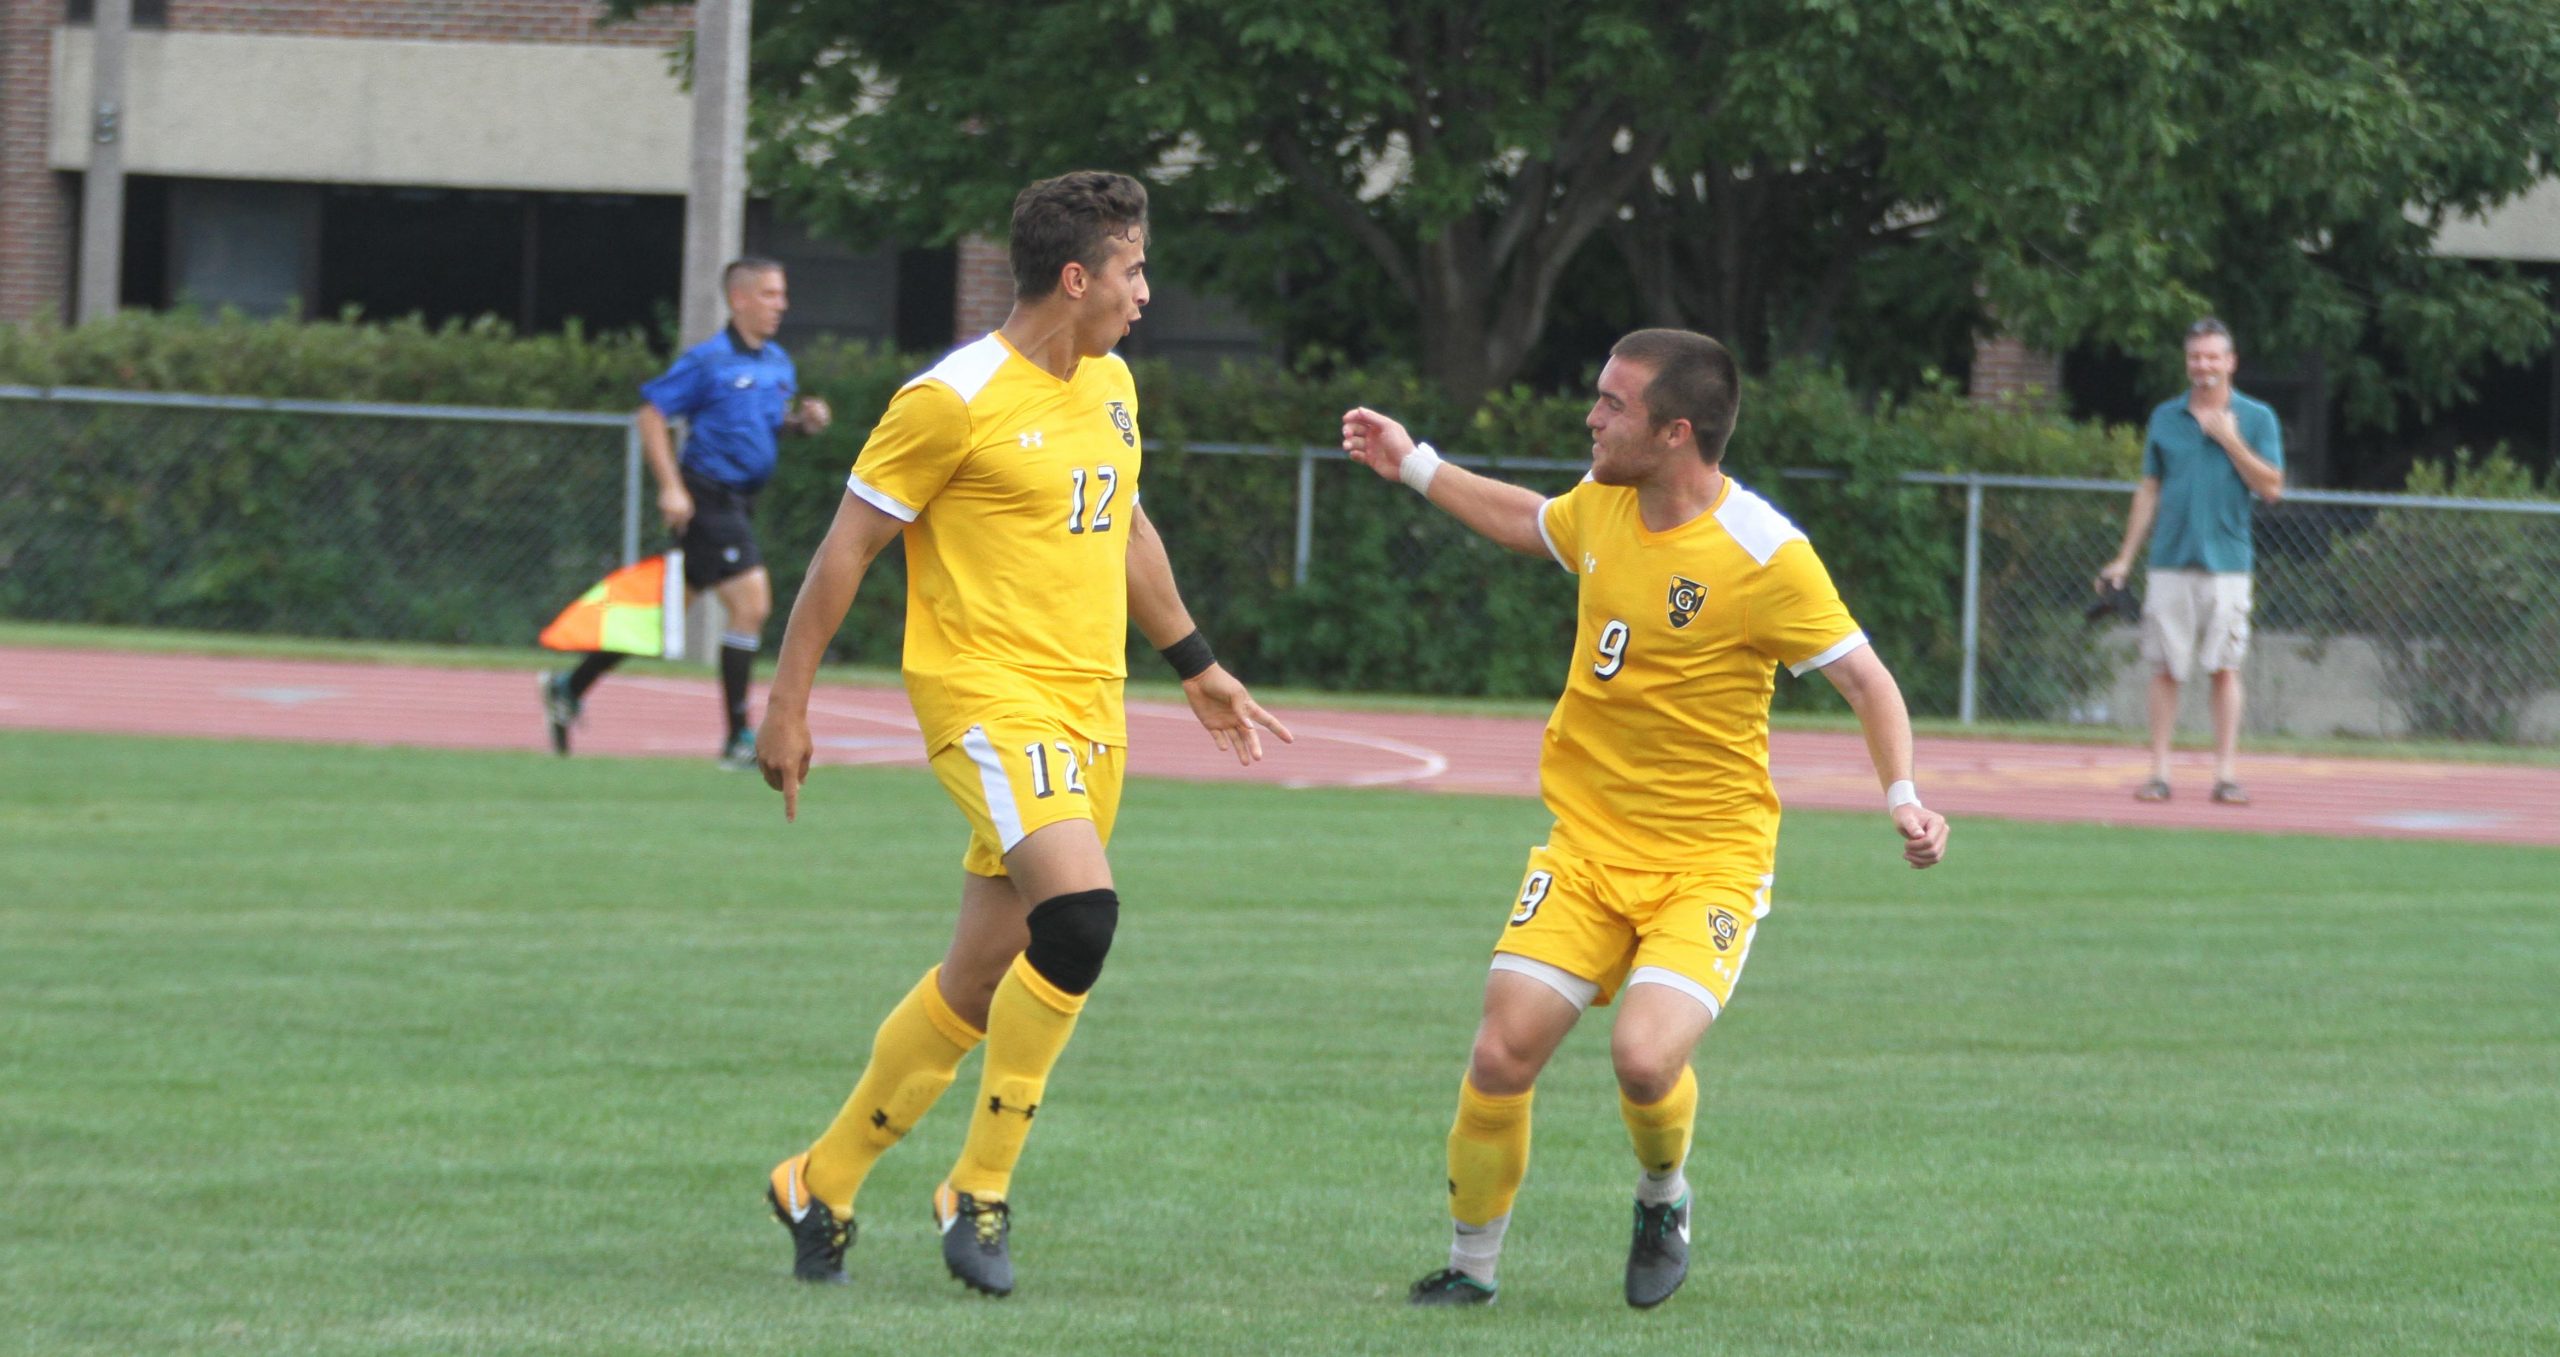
<point>334,1050</point>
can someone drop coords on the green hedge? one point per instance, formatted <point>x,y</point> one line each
<point>1397,598</point>
<point>2461,606</point>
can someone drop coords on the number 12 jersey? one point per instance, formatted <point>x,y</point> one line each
<point>1017,489</point>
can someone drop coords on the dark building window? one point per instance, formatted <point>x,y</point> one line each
<point>146,13</point>
<point>534,260</point>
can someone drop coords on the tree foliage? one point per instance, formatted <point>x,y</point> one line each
<point>1863,181</point>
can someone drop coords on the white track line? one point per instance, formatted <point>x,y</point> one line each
<point>1429,763</point>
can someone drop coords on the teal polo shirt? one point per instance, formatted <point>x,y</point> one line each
<point>2204,505</point>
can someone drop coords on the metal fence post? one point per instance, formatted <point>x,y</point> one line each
<point>1972,599</point>
<point>1304,542</point>
<point>631,493</point>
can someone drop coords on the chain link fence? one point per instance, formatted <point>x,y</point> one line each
<point>307,518</point>
<point>2375,615</point>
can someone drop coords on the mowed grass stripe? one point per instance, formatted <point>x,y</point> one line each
<point>328,1050</point>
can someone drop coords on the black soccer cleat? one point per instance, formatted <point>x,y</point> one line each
<point>1658,1255</point>
<point>559,709</point>
<point>1449,1286</point>
<point>818,1239</point>
<point>975,1240</point>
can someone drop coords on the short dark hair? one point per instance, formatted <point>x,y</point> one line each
<point>1070,219</point>
<point>1694,378</point>
<point>742,266</point>
<point>2206,326</point>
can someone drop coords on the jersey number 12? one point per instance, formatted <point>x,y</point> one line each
<point>1106,481</point>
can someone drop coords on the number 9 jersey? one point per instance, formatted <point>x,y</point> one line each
<point>1017,489</point>
<point>1657,755</point>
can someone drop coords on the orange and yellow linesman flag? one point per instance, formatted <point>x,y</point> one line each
<point>637,610</point>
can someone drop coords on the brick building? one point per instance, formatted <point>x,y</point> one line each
<point>450,158</point>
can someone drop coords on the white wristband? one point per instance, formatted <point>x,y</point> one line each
<point>1899,795</point>
<point>1419,466</point>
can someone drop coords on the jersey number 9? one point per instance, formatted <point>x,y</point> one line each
<point>1613,650</point>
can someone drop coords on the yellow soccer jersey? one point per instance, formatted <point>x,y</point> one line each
<point>1017,491</point>
<point>1657,756</point>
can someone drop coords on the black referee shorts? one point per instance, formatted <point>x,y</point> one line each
<point>720,543</point>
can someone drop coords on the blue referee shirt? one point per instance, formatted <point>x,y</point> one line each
<point>733,397</point>
<point>2204,505</point>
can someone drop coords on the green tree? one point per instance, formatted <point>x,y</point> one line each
<point>2103,171</point>
<point>1862,181</point>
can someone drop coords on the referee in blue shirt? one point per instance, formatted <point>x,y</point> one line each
<point>736,391</point>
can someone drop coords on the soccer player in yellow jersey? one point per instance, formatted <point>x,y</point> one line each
<point>1656,766</point>
<point>1011,469</point>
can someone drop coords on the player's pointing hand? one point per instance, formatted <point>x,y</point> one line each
<point>782,755</point>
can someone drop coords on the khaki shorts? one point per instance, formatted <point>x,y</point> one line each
<point>1588,929</point>
<point>1011,777</point>
<point>2194,620</point>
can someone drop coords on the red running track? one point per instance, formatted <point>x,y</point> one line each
<point>629,715</point>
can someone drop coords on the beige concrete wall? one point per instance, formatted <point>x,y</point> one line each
<point>2528,228</point>
<point>591,119</point>
<point>2295,686</point>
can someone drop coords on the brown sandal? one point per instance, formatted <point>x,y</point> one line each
<point>2157,789</point>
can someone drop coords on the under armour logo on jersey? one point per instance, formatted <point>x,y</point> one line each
<point>995,1104</point>
<point>1687,595</point>
<point>1590,564</point>
<point>1028,440</point>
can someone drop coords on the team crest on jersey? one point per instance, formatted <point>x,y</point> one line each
<point>1120,420</point>
<point>1725,927</point>
<point>1687,596</point>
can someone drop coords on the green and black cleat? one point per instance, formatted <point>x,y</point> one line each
<point>976,1239</point>
<point>1658,1255</point>
<point>818,1239</point>
<point>1449,1286</point>
<point>739,754</point>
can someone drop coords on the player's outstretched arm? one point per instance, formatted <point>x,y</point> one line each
<point>1217,697</point>
<point>1499,511</point>
<point>1862,678</point>
<point>835,573</point>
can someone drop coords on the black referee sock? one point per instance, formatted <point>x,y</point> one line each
<point>737,666</point>
<point>593,667</point>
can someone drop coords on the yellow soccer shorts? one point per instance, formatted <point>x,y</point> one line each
<point>1589,929</point>
<point>1011,776</point>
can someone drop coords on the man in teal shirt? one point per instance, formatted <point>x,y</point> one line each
<point>2206,453</point>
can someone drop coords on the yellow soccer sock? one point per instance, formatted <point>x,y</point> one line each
<point>1660,1131</point>
<point>1488,1153</point>
<point>1028,1024</point>
<point>918,1048</point>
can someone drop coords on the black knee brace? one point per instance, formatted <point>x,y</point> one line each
<point>1070,935</point>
